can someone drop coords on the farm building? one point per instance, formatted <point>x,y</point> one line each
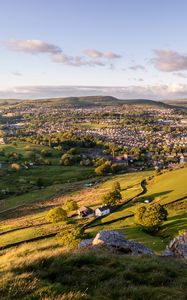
<point>85,212</point>
<point>102,211</point>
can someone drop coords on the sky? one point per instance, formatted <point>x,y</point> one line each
<point>123,48</point>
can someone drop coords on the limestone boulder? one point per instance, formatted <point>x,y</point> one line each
<point>114,239</point>
<point>177,247</point>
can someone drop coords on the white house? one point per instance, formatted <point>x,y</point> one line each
<point>102,211</point>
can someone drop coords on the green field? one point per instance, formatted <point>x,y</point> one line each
<point>20,187</point>
<point>165,189</point>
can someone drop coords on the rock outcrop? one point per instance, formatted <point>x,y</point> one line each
<point>116,240</point>
<point>177,247</point>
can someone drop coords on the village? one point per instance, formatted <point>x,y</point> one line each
<point>156,133</point>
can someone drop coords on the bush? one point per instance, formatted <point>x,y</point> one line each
<point>56,214</point>
<point>151,216</point>
<point>46,153</point>
<point>27,148</point>
<point>71,205</point>
<point>15,167</point>
<point>116,186</point>
<point>39,182</point>
<point>103,169</point>
<point>112,198</point>
<point>71,237</point>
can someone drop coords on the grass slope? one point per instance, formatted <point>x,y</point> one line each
<point>130,183</point>
<point>22,185</point>
<point>164,189</point>
<point>46,271</point>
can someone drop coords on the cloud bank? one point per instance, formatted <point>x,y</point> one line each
<point>156,92</point>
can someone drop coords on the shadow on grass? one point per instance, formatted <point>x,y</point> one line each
<point>152,196</point>
<point>174,224</point>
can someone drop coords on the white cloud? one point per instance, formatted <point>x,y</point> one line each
<point>181,75</point>
<point>111,55</point>
<point>169,61</point>
<point>95,54</point>
<point>75,61</point>
<point>92,57</point>
<point>92,53</point>
<point>32,46</point>
<point>125,92</point>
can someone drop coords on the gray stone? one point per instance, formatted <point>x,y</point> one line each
<point>167,252</point>
<point>109,238</point>
<point>85,243</point>
<point>178,247</point>
<point>116,240</point>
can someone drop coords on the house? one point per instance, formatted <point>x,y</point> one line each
<point>2,141</point>
<point>85,212</point>
<point>181,159</point>
<point>121,159</point>
<point>102,211</point>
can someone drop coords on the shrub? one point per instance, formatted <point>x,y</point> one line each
<point>39,182</point>
<point>71,205</point>
<point>46,153</point>
<point>56,214</point>
<point>150,216</point>
<point>116,186</point>
<point>112,198</point>
<point>71,237</point>
<point>27,148</point>
<point>103,169</point>
<point>15,167</point>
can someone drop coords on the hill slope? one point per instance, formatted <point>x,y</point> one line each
<point>47,271</point>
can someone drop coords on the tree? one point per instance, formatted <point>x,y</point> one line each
<point>56,214</point>
<point>103,169</point>
<point>15,167</point>
<point>151,216</point>
<point>71,237</point>
<point>112,198</point>
<point>39,182</point>
<point>116,186</point>
<point>71,205</point>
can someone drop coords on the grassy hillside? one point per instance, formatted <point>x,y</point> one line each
<point>164,189</point>
<point>21,187</point>
<point>47,271</point>
<point>32,215</point>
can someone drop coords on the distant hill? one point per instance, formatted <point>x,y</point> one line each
<point>177,102</point>
<point>97,101</point>
<point>88,101</point>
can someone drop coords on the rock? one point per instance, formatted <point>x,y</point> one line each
<point>85,243</point>
<point>177,247</point>
<point>116,240</point>
<point>167,252</point>
<point>109,238</point>
<point>138,248</point>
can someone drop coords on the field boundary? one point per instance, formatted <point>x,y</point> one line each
<point>38,238</point>
<point>143,190</point>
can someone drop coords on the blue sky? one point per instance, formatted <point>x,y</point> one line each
<point>124,48</point>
